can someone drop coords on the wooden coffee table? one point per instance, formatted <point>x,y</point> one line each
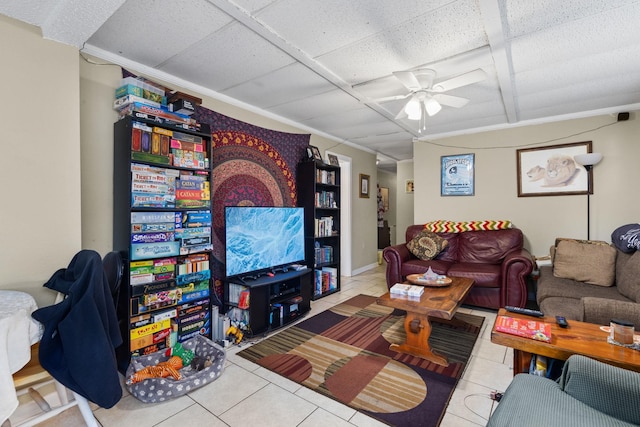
<point>579,338</point>
<point>435,303</point>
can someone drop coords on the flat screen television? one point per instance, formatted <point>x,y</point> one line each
<point>262,239</point>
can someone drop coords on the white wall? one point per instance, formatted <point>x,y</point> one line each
<point>542,219</point>
<point>40,208</point>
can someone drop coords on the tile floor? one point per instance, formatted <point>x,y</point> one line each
<point>247,394</point>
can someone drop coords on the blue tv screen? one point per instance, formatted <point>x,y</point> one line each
<point>261,238</point>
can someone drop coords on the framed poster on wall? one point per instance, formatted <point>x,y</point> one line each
<point>457,175</point>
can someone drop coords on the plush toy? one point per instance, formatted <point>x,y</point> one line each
<point>184,353</point>
<point>161,370</point>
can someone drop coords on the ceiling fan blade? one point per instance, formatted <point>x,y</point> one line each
<point>392,98</point>
<point>451,101</point>
<point>461,80</point>
<point>408,79</point>
<point>402,114</point>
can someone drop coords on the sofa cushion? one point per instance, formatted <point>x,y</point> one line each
<point>628,275</point>
<point>550,286</point>
<point>627,237</point>
<point>585,262</point>
<point>483,275</point>
<point>426,245</point>
<point>488,247</point>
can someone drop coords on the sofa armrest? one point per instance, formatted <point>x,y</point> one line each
<point>601,310</point>
<point>606,388</point>
<point>395,256</point>
<point>516,267</point>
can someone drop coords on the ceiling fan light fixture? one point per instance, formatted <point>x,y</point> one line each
<point>432,106</point>
<point>413,109</point>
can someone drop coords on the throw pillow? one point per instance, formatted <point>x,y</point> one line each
<point>627,238</point>
<point>585,262</point>
<point>426,245</point>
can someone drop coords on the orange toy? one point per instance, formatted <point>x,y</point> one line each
<point>161,370</point>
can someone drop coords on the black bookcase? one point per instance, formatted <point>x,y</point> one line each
<point>162,228</point>
<point>319,194</point>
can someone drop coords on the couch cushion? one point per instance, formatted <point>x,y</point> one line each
<point>488,247</point>
<point>628,275</point>
<point>552,286</point>
<point>426,245</point>
<point>627,237</point>
<point>585,262</point>
<point>483,275</point>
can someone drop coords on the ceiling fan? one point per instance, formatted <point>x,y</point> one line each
<point>427,98</point>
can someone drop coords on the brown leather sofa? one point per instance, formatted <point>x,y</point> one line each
<point>495,260</point>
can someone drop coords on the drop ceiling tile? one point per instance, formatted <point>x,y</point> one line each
<point>447,32</point>
<point>290,83</point>
<point>329,103</point>
<point>227,58</point>
<point>577,39</point>
<point>317,27</point>
<point>526,16</point>
<point>151,32</point>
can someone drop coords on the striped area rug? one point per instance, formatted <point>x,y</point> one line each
<point>344,353</point>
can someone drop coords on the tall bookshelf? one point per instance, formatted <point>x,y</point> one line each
<point>162,227</point>
<point>319,194</point>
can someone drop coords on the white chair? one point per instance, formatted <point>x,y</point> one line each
<point>34,374</point>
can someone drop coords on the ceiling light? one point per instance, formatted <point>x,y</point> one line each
<point>432,106</point>
<point>413,109</point>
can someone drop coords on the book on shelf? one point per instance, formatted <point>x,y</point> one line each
<point>533,329</point>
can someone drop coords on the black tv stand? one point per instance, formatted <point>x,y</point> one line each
<point>274,300</point>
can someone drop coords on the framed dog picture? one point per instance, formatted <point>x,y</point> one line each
<point>552,170</point>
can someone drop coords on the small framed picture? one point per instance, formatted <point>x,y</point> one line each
<point>408,186</point>
<point>313,153</point>
<point>364,186</point>
<point>333,160</point>
<point>457,175</point>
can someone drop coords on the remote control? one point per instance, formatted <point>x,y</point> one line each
<point>561,321</point>
<point>526,311</point>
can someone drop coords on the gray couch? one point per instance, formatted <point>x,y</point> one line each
<point>588,393</point>
<point>586,302</point>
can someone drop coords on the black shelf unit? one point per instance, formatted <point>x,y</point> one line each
<point>274,301</point>
<point>169,306</point>
<point>319,194</point>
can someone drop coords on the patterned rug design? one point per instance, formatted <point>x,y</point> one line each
<point>344,353</point>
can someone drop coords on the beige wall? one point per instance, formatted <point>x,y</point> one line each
<point>40,207</point>
<point>98,83</point>
<point>405,201</point>
<point>542,219</point>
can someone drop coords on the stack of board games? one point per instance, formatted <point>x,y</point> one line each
<point>142,99</point>
<point>167,147</point>
<point>171,308</point>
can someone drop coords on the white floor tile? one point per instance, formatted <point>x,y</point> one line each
<point>193,416</point>
<point>322,418</point>
<point>471,402</point>
<point>130,411</point>
<point>231,388</point>
<point>269,406</point>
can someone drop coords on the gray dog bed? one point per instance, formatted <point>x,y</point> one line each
<point>153,390</point>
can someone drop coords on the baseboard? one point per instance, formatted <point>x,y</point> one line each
<point>363,269</point>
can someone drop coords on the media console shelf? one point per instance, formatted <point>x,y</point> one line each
<point>268,302</point>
